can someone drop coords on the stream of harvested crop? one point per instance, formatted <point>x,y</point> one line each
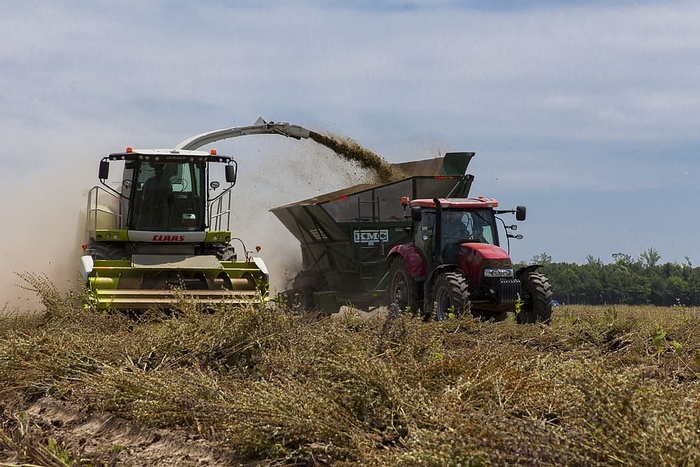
<point>351,150</point>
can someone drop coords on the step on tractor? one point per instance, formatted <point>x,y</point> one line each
<point>164,233</point>
<point>419,243</point>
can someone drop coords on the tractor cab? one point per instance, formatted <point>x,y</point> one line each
<point>442,226</point>
<point>466,226</point>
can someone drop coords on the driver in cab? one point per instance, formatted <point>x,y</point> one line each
<point>156,197</point>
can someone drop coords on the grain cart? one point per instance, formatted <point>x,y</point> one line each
<point>417,242</point>
<point>164,233</point>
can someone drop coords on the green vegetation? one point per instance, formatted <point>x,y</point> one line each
<point>626,280</point>
<point>599,386</point>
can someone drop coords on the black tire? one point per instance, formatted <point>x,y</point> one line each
<point>537,299</point>
<point>403,289</point>
<point>451,295</point>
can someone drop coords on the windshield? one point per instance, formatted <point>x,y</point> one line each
<point>477,225</point>
<point>168,196</point>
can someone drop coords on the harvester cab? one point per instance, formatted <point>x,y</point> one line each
<point>163,233</point>
<point>167,191</point>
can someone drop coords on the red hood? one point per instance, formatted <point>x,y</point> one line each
<point>473,255</point>
<point>486,250</point>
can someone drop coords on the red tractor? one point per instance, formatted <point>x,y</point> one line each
<point>454,265</point>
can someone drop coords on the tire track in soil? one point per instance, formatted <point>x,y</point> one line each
<point>106,439</point>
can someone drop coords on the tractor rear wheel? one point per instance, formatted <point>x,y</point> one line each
<point>537,299</point>
<point>402,289</point>
<point>451,295</point>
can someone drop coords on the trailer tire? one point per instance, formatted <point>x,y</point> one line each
<point>537,299</point>
<point>403,289</point>
<point>451,295</point>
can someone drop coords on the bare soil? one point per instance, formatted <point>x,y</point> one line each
<point>106,439</point>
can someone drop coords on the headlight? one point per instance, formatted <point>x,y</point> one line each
<point>498,272</point>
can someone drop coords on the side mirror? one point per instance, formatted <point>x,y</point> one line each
<point>104,170</point>
<point>416,213</point>
<point>231,173</point>
<point>520,213</point>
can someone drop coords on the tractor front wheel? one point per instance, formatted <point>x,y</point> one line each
<point>403,289</point>
<point>451,295</point>
<point>537,299</point>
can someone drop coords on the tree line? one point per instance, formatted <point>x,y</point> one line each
<point>625,280</point>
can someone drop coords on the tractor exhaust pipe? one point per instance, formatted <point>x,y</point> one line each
<point>437,256</point>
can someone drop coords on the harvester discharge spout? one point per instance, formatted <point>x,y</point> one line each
<point>260,127</point>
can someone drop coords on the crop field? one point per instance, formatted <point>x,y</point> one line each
<point>605,385</point>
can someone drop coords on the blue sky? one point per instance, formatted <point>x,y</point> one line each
<point>586,112</point>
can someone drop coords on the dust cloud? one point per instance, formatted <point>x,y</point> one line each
<point>42,232</point>
<point>282,171</point>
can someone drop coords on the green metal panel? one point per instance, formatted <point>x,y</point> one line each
<point>456,163</point>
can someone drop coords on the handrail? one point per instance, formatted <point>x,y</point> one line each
<point>94,209</point>
<point>219,213</point>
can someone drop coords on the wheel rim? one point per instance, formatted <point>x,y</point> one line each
<point>399,288</point>
<point>442,304</point>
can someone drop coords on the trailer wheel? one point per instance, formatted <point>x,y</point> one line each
<point>451,295</point>
<point>537,299</point>
<point>403,289</point>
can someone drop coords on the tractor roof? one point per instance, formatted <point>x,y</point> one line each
<point>457,203</point>
<point>168,154</point>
